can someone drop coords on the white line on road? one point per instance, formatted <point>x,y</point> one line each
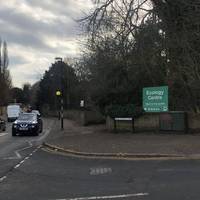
<point>26,158</point>
<point>18,156</point>
<point>108,197</point>
<point>2,178</point>
<point>3,134</point>
<point>100,171</point>
<point>20,163</point>
<point>17,166</point>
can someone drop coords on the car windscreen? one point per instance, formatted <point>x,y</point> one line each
<point>27,117</point>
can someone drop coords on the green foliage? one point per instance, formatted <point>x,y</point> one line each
<point>16,95</point>
<point>117,75</point>
<point>62,77</point>
<point>160,47</point>
<point>128,110</point>
<point>26,93</point>
<point>5,79</point>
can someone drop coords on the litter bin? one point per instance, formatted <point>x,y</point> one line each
<point>173,121</point>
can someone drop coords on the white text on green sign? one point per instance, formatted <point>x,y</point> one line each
<point>155,99</point>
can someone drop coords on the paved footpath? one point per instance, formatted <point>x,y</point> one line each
<point>95,139</point>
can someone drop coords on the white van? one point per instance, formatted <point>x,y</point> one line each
<point>13,112</point>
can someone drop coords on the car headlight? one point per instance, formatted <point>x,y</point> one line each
<point>33,126</point>
<point>15,126</point>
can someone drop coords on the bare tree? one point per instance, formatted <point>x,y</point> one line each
<point>5,79</point>
<point>179,26</point>
<point>5,60</point>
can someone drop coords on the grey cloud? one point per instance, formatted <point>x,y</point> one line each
<point>33,76</point>
<point>24,39</point>
<point>16,60</point>
<point>29,24</point>
<point>65,7</point>
<point>27,32</point>
<point>27,39</point>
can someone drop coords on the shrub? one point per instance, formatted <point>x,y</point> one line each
<point>128,110</point>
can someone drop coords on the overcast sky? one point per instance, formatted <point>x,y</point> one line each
<point>37,31</point>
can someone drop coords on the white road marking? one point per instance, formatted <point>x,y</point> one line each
<point>35,150</point>
<point>3,134</point>
<point>3,178</point>
<point>17,166</point>
<point>108,197</point>
<point>22,162</point>
<point>26,158</point>
<point>100,171</point>
<point>18,156</point>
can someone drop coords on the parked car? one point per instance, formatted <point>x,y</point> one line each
<point>2,125</point>
<point>27,124</point>
<point>13,111</point>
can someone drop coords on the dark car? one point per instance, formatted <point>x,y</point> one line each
<point>2,125</point>
<point>27,124</point>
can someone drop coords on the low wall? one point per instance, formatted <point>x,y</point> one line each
<point>83,117</point>
<point>150,122</point>
<point>147,122</point>
<point>194,122</point>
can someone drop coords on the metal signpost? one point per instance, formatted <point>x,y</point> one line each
<point>155,99</point>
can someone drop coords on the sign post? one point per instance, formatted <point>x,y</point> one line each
<point>155,99</point>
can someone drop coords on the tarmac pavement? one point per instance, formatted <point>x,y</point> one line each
<point>96,141</point>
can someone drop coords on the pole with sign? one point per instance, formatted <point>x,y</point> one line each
<point>155,99</point>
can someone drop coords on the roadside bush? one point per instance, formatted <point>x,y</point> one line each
<point>128,110</point>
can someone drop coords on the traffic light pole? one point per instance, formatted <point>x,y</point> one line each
<point>60,93</point>
<point>62,113</point>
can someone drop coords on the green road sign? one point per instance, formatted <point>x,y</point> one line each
<point>155,99</point>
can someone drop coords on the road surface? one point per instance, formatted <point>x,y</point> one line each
<point>28,171</point>
<point>14,149</point>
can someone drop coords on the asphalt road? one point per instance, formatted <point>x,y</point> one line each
<point>40,174</point>
<point>14,149</point>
